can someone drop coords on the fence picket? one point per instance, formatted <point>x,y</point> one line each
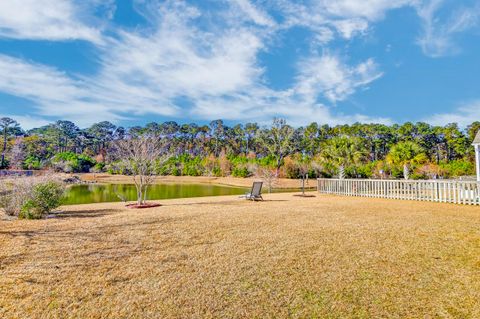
<point>456,192</point>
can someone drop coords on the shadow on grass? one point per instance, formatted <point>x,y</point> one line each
<point>306,195</point>
<point>230,202</point>
<point>23,233</point>
<point>82,213</point>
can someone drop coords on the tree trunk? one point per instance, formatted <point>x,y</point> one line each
<point>145,194</point>
<point>341,172</point>
<point>4,146</point>
<point>303,185</point>
<point>406,171</point>
<point>279,164</point>
<point>139,194</point>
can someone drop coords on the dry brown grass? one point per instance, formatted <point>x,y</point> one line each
<point>322,257</point>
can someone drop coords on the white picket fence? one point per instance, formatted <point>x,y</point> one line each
<point>443,191</point>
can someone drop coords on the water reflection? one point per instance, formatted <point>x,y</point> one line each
<point>99,193</point>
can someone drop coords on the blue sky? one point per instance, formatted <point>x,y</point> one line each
<point>330,61</point>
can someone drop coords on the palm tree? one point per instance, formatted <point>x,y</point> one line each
<point>5,124</point>
<point>406,154</point>
<point>343,151</point>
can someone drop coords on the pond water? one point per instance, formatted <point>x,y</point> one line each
<point>99,193</point>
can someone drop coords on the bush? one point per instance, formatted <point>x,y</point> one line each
<point>364,170</point>
<point>44,197</point>
<point>32,162</point>
<point>458,168</point>
<point>225,166</point>
<point>240,171</point>
<point>210,165</point>
<point>5,164</point>
<point>72,163</point>
<point>13,193</point>
<point>98,168</point>
<point>291,168</point>
<point>30,197</point>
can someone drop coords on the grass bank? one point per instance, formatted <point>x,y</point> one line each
<point>284,183</point>
<point>222,257</point>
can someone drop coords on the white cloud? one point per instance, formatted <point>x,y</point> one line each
<point>349,28</point>
<point>437,37</point>
<point>372,10</point>
<point>146,71</point>
<point>46,20</point>
<point>254,13</point>
<point>142,72</point>
<point>27,122</point>
<point>326,75</point>
<point>463,115</point>
<point>35,81</point>
<point>352,18</point>
<point>348,17</point>
<point>178,59</point>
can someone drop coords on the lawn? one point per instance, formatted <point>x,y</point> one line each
<point>222,257</point>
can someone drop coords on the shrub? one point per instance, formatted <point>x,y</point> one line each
<point>428,171</point>
<point>115,168</point>
<point>5,164</point>
<point>210,164</point>
<point>193,169</point>
<point>267,161</point>
<point>70,162</point>
<point>364,170</point>
<point>458,168</point>
<point>32,162</point>
<point>291,168</point>
<point>98,168</point>
<point>224,165</point>
<point>192,166</point>
<point>13,194</point>
<point>176,172</point>
<point>240,171</point>
<point>30,197</point>
<point>44,197</point>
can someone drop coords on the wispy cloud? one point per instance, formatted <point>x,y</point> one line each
<point>327,76</point>
<point>254,13</point>
<point>438,34</point>
<point>53,93</point>
<point>464,115</point>
<point>187,62</point>
<point>348,18</point>
<point>215,70</point>
<point>47,20</point>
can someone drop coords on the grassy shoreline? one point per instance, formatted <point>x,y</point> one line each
<point>210,257</point>
<point>282,183</point>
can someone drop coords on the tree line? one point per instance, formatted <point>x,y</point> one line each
<point>409,150</point>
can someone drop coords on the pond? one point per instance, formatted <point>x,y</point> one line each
<point>99,193</point>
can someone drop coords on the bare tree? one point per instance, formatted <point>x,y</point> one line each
<point>17,154</point>
<point>268,176</point>
<point>304,168</point>
<point>140,156</point>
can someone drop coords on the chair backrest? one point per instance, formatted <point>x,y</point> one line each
<point>257,188</point>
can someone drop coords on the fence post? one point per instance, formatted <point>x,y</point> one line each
<point>457,192</point>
